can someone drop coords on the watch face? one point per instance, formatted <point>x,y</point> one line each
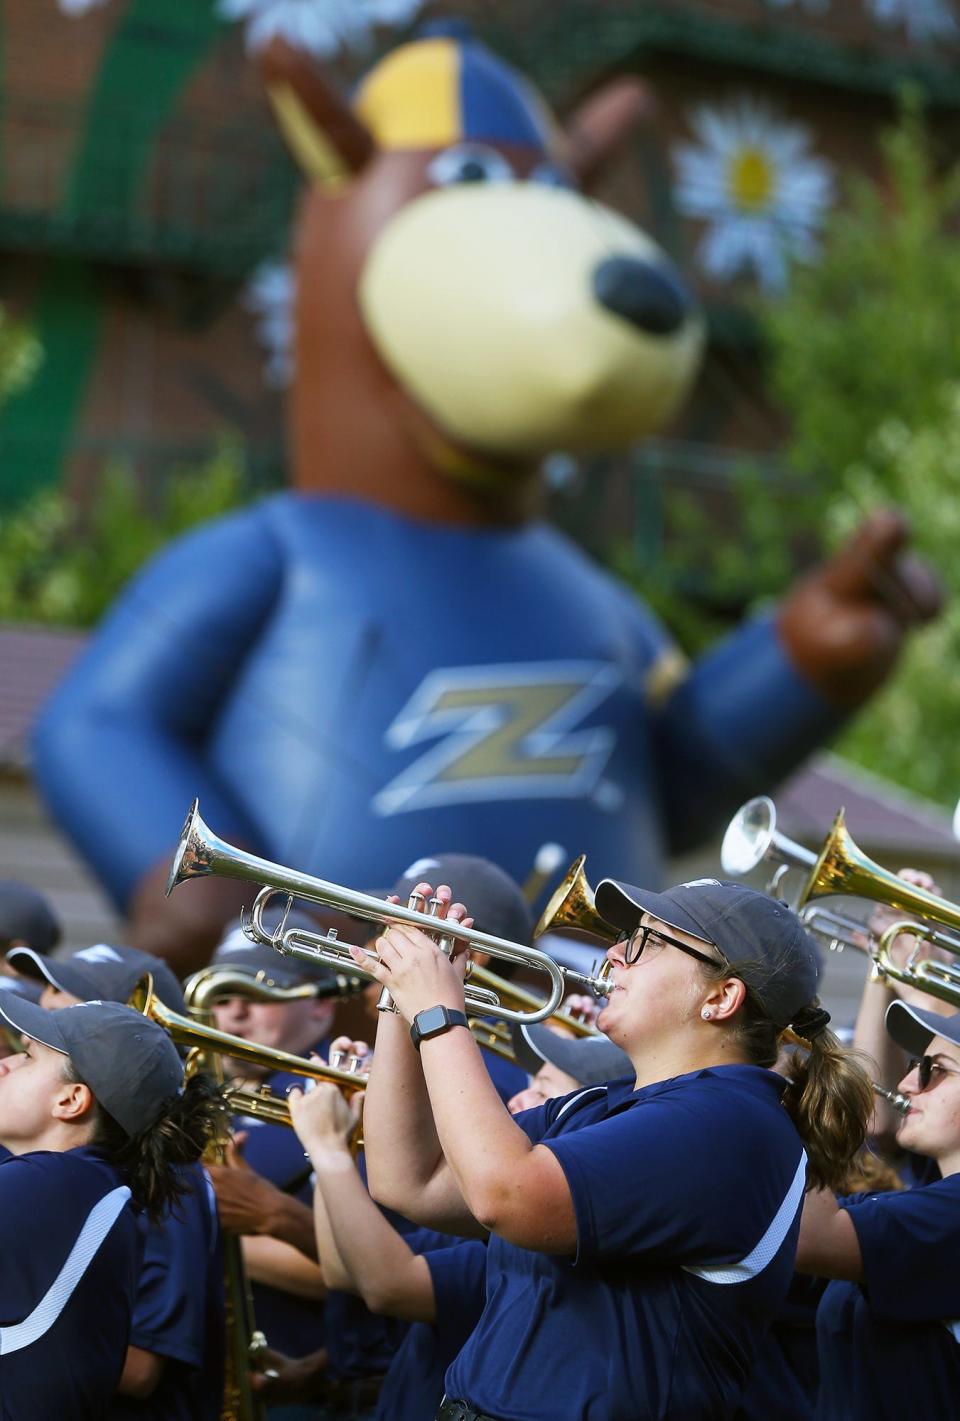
<point>431,1021</point>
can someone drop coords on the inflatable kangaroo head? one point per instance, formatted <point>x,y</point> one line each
<point>463,308</point>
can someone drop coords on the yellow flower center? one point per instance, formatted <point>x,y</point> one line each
<point>751,178</point>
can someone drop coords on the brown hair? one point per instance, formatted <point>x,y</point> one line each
<point>829,1096</point>
<point>150,1161</point>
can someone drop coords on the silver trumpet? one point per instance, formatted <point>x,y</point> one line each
<point>900,1103</point>
<point>201,854</point>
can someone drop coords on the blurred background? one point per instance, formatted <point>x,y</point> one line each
<point>801,171</point>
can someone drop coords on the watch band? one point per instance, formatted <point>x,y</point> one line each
<point>434,1021</point>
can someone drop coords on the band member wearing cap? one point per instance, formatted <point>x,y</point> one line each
<point>172,1369</point>
<point>653,1220</point>
<point>97,1120</point>
<point>887,1331</point>
<point>26,919</point>
<point>287,1287</point>
<point>434,1280</point>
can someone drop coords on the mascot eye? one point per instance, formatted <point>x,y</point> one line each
<point>552,175</point>
<point>469,163</point>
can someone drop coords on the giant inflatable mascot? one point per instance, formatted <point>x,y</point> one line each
<point>396,656</point>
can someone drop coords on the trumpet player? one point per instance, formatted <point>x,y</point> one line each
<point>96,1117</point>
<point>887,1333</point>
<point>288,1288</point>
<point>653,1220</point>
<point>173,1368</point>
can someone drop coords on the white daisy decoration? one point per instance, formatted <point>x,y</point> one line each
<point>322,27</point>
<point>753,182</point>
<point>922,19</point>
<point>269,297</point>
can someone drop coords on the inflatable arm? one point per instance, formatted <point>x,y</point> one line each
<point>118,748</point>
<point>760,702</point>
<point>741,721</point>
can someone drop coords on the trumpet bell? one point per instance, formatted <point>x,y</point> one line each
<point>749,836</point>
<point>573,905</point>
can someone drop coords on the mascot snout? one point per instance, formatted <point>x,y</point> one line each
<point>524,318</point>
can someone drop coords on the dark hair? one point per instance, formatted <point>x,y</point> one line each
<point>149,1161</point>
<point>829,1096</point>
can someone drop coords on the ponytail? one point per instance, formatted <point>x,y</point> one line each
<point>151,1162</point>
<point>829,1095</point>
<point>829,1098</point>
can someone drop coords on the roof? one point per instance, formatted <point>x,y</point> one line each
<point>878,812</point>
<point>33,660</point>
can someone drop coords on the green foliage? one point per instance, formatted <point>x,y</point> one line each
<point>864,356</point>
<point>20,355</point>
<point>58,565</point>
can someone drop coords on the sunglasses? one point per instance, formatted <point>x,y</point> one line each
<point>634,944</point>
<point>925,1067</point>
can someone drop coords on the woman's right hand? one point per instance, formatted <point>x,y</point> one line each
<point>322,1118</point>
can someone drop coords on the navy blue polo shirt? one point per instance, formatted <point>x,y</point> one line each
<point>63,1338</point>
<point>413,1387</point>
<point>292,1325</point>
<point>178,1313</point>
<point>889,1346</point>
<point>784,1379</point>
<point>687,1196</point>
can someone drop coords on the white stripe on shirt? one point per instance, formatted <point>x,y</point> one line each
<point>769,1246</point>
<point>99,1222</point>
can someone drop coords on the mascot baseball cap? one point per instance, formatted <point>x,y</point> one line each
<point>102,973</point>
<point>749,928</point>
<point>129,1063</point>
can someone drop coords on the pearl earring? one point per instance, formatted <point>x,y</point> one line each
<point>707,1014</point>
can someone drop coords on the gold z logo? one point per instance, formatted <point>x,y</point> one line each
<point>508,732</point>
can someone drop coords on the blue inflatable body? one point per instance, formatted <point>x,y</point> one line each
<point>345,689</point>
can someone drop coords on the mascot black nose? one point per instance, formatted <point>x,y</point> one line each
<point>649,297</point>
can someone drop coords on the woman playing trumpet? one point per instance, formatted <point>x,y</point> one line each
<point>887,1331</point>
<point>654,1219</point>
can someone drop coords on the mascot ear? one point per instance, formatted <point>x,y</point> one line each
<point>325,136</point>
<point>600,127</point>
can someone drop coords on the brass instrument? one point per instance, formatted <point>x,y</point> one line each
<point>201,853</point>
<point>495,1036</point>
<point>245,1343</point>
<point>573,904</point>
<point>843,868</point>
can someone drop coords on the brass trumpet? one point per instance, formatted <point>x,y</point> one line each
<point>841,868</point>
<point>211,984</point>
<point>201,853</point>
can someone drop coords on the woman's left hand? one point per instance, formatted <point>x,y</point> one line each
<point>412,968</point>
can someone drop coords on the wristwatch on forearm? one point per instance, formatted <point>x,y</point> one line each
<point>434,1021</point>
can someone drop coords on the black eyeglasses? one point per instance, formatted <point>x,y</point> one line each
<point>634,944</point>
<point>925,1067</point>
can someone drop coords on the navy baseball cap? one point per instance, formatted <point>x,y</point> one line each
<point>100,973</point>
<point>752,931</point>
<point>591,1060</point>
<point>20,987</point>
<point>914,1028</point>
<point>491,896</point>
<point>129,1063</point>
<point>258,960</point>
<point>26,916</point>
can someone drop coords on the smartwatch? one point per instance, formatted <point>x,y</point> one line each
<point>434,1022</point>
